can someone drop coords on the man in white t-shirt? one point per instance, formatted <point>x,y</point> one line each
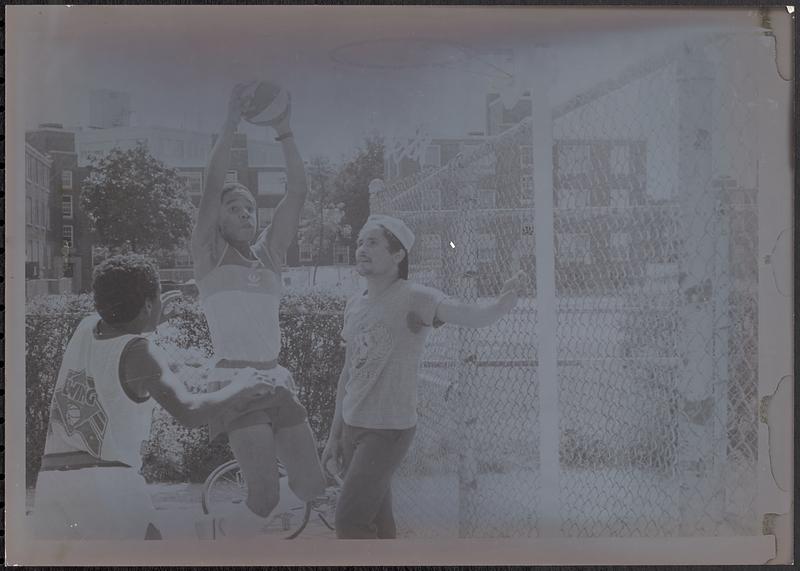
<point>385,329</point>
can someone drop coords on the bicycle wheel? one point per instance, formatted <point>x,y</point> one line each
<point>226,485</point>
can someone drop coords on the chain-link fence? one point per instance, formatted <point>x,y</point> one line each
<point>651,426</point>
<point>654,228</point>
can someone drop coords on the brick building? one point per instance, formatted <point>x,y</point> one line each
<point>68,232</point>
<point>39,244</point>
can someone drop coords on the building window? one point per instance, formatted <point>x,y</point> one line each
<point>67,235</point>
<point>574,248</point>
<point>265,217</point>
<point>621,159</point>
<point>36,212</point>
<point>573,198</point>
<point>173,148</point>
<point>433,156</point>
<point>526,184</point>
<point>66,180</point>
<point>432,199</point>
<point>306,252</point>
<point>47,218</point>
<point>620,245</point>
<point>130,144</point>
<point>487,247</point>
<point>66,206</point>
<point>526,156</point>
<point>183,259</point>
<point>620,197</point>
<point>232,176</point>
<point>574,159</point>
<point>29,167</point>
<point>487,199</point>
<point>264,154</point>
<point>271,182</point>
<point>193,181</point>
<point>526,240</point>
<point>528,230</point>
<point>341,254</point>
<point>28,210</point>
<point>429,250</point>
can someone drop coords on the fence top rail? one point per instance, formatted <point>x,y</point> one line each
<point>396,190</point>
<point>402,186</point>
<point>636,71</point>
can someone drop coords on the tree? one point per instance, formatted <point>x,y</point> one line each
<point>321,221</point>
<point>351,186</point>
<point>135,202</point>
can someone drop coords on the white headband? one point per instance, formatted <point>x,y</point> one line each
<point>396,227</point>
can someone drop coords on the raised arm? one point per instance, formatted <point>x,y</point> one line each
<point>481,315</point>
<point>218,163</point>
<point>144,369</point>
<point>287,214</point>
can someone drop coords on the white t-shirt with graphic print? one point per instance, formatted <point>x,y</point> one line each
<point>385,337</point>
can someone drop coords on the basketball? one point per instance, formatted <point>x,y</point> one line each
<point>267,104</point>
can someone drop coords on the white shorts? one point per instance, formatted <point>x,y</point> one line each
<point>92,503</point>
<point>280,409</point>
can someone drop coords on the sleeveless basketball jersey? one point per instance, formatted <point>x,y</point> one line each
<point>241,299</point>
<point>90,411</point>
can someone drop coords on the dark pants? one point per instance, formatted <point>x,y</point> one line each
<point>371,456</point>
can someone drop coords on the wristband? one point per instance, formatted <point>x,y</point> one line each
<point>286,135</point>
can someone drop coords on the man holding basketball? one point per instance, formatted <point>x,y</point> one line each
<point>385,329</point>
<point>240,288</point>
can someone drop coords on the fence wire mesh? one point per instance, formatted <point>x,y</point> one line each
<point>656,280</point>
<point>655,232</point>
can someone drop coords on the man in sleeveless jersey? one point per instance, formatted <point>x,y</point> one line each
<point>89,486</point>
<point>240,289</point>
<point>385,329</point>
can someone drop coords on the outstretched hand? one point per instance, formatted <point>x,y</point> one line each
<point>512,289</point>
<point>283,125</point>
<point>333,457</point>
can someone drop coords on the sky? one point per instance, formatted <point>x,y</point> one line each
<point>352,71</point>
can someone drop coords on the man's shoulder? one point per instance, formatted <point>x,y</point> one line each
<point>88,323</point>
<point>141,359</point>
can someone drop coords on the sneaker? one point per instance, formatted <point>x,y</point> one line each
<point>218,530</point>
<point>324,501</point>
<point>240,524</point>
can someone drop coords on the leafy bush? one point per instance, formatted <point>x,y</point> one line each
<point>311,349</point>
<point>49,324</point>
